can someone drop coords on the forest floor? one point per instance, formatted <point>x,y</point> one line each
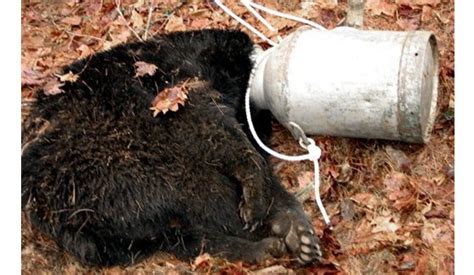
<point>391,203</point>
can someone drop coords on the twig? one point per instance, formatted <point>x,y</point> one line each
<point>117,7</point>
<point>438,16</point>
<point>148,21</point>
<point>167,19</point>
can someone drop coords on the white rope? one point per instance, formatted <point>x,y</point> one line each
<point>314,152</point>
<point>263,20</point>
<point>243,22</point>
<point>285,15</point>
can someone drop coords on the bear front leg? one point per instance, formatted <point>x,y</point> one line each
<point>243,164</point>
<point>251,174</point>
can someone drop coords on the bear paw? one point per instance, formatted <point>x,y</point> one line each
<point>298,236</point>
<point>268,248</point>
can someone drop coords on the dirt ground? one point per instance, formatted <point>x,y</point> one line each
<point>391,203</point>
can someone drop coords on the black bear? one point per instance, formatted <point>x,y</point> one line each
<point>111,183</point>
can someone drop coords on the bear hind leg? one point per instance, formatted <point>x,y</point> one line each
<point>231,248</point>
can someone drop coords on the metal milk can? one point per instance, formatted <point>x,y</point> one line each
<point>353,83</point>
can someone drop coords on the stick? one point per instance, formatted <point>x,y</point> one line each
<point>148,21</point>
<point>117,4</point>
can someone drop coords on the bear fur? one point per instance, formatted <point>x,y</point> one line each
<point>111,184</point>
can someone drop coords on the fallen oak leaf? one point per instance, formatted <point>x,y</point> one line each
<point>143,68</point>
<point>169,99</point>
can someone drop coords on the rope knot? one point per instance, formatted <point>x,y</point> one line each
<point>314,152</point>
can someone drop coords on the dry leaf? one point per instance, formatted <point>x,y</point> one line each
<point>84,51</point>
<point>379,7</point>
<point>436,232</point>
<point>200,23</point>
<point>327,4</point>
<point>143,68</point>
<point>422,265</point>
<point>275,269</point>
<point>201,261</point>
<point>175,23</point>
<point>72,3</point>
<point>345,173</point>
<point>169,99</point>
<point>53,86</point>
<point>409,24</point>
<point>31,77</point>
<point>137,20</point>
<point>399,191</point>
<point>69,77</point>
<point>426,14</point>
<point>73,20</point>
<point>409,18</point>
<point>305,178</point>
<point>365,199</point>
<point>138,4</point>
<point>395,181</point>
<point>384,224</point>
<point>119,33</point>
